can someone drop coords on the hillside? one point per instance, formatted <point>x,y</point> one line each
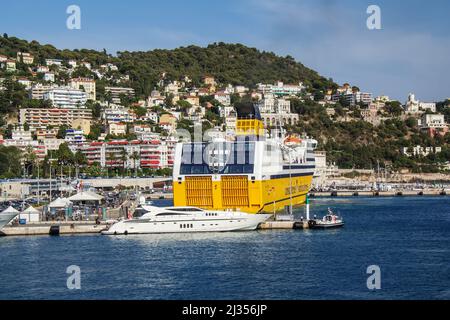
<point>228,63</point>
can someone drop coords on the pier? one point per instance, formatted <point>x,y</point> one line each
<point>57,228</point>
<point>392,193</point>
<point>284,225</point>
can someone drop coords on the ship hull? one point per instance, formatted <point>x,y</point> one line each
<point>250,196</point>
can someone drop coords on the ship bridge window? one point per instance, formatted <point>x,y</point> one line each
<point>224,158</point>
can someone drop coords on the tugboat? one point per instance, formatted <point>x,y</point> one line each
<point>330,221</point>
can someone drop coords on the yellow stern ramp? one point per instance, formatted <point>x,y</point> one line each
<point>240,192</point>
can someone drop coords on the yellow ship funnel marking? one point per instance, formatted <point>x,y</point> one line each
<point>249,127</point>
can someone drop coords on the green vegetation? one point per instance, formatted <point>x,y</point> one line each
<point>228,63</point>
<point>10,162</point>
<point>359,144</point>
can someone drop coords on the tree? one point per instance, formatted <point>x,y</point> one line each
<point>184,105</point>
<point>110,159</point>
<point>62,130</point>
<point>12,97</point>
<point>95,107</point>
<point>10,162</point>
<point>140,112</point>
<point>168,101</point>
<point>135,156</point>
<point>394,108</point>
<point>96,131</point>
<point>124,159</point>
<point>64,155</point>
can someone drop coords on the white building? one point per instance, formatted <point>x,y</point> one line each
<point>73,63</point>
<point>49,76</point>
<point>172,88</point>
<point>434,121</point>
<point>20,134</point>
<point>42,69</point>
<point>321,163</point>
<point>25,57</point>
<point>64,97</point>
<point>75,137</point>
<point>117,129</point>
<point>271,104</point>
<point>118,114</point>
<point>117,92</point>
<point>415,106</point>
<point>281,89</point>
<point>53,62</point>
<point>25,82</point>
<point>224,98</point>
<point>53,144</point>
<point>37,91</point>
<point>152,116</point>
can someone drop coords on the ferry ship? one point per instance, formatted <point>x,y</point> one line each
<point>251,172</point>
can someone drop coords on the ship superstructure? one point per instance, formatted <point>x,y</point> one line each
<point>251,172</point>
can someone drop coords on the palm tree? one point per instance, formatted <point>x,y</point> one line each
<point>124,159</point>
<point>135,156</point>
<point>110,157</point>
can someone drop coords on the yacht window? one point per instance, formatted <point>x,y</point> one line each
<point>170,214</point>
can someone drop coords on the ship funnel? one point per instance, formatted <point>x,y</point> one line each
<point>249,122</point>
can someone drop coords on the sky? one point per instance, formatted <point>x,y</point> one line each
<point>410,53</point>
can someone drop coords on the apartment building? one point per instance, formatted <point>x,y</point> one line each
<point>223,98</point>
<point>24,145</point>
<point>20,134</point>
<point>25,57</point>
<point>10,65</point>
<point>75,139</point>
<point>117,129</point>
<point>46,134</point>
<point>117,92</point>
<point>150,154</point>
<point>118,114</point>
<point>38,118</point>
<point>37,91</point>
<point>65,97</point>
<point>434,125</point>
<point>53,62</point>
<point>49,77</point>
<point>280,89</point>
<point>84,84</point>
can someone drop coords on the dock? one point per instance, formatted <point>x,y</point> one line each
<point>400,193</point>
<point>58,228</point>
<point>284,225</point>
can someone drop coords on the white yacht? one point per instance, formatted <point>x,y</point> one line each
<point>7,215</point>
<point>186,220</point>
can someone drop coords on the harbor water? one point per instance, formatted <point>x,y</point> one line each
<point>407,238</point>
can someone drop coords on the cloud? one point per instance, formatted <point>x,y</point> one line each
<point>334,40</point>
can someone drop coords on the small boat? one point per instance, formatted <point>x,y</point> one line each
<point>330,221</point>
<point>186,220</point>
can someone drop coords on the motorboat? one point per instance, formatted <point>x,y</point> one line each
<point>7,215</point>
<point>186,220</point>
<point>330,221</point>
